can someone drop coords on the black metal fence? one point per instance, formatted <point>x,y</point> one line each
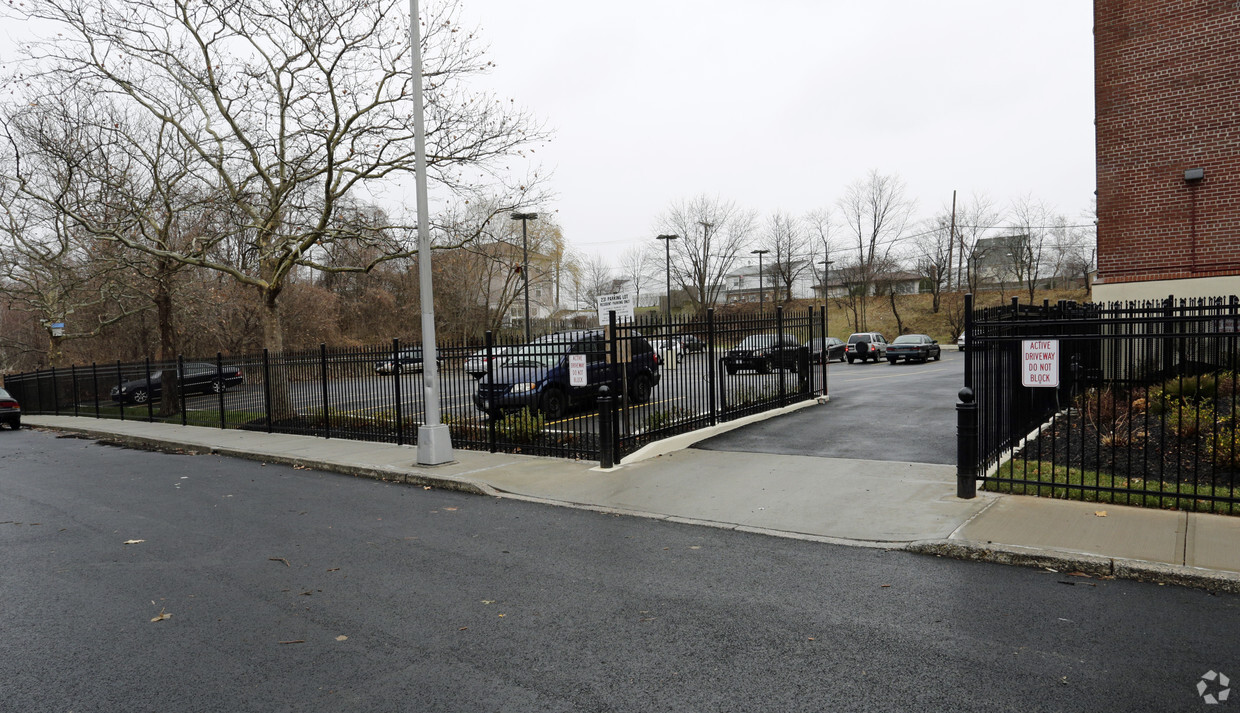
<point>1140,406</point>
<point>595,394</point>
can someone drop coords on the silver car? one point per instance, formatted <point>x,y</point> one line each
<point>476,365</point>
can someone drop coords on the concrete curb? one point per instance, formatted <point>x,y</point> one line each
<point>388,475</point>
<point>1092,565</point>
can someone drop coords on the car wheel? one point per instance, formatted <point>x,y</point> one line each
<point>639,390</point>
<point>892,360</point>
<point>217,386</point>
<point>554,404</point>
<point>851,360</point>
<point>765,367</point>
<point>938,355</point>
<point>140,396</point>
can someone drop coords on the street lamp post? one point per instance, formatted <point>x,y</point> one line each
<point>525,265</point>
<point>434,439</point>
<point>760,253</point>
<point>706,226</point>
<point>667,245</point>
<point>826,281</point>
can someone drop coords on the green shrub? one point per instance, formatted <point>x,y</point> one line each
<point>524,426</point>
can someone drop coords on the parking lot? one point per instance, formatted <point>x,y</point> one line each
<point>905,412</point>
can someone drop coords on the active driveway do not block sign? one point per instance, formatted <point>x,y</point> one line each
<point>1039,362</point>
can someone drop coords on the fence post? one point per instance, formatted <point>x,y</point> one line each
<point>119,381</point>
<point>966,445</point>
<point>618,377</point>
<point>267,388</point>
<point>490,384</point>
<point>150,396</point>
<point>968,340</point>
<point>94,378</point>
<point>826,352</point>
<point>711,372</point>
<point>181,388</point>
<point>779,344</point>
<point>400,421</point>
<point>55,393</point>
<point>327,424</point>
<point>605,444</point>
<point>219,374</point>
<point>74,384</point>
<point>38,391</point>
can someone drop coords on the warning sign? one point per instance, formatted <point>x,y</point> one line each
<point>577,370</point>
<point>1039,362</point>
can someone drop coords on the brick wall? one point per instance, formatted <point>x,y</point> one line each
<point>1167,96</point>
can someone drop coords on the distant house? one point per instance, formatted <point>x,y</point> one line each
<point>840,284</point>
<point>744,284</point>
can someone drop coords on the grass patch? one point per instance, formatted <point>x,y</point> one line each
<point>1046,480</point>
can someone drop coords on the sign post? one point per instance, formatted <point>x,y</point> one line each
<point>1039,363</point>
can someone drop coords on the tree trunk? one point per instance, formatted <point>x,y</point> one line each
<point>899,322</point>
<point>169,401</point>
<point>273,340</point>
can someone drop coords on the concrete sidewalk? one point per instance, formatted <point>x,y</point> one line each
<point>909,506</point>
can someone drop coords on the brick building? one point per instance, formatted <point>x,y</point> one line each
<point>1167,95</point>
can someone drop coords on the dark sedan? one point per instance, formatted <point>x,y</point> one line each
<point>409,360</point>
<point>913,347</point>
<point>690,343</point>
<point>10,410</point>
<point>826,349</point>
<point>763,353</point>
<point>199,378</point>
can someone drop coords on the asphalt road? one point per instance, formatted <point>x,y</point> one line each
<point>905,412</point>
<point>291,590</point>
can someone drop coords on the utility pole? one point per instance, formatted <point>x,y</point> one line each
<point>951,243</point>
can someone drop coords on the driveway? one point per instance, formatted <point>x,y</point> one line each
<point>905,412</point>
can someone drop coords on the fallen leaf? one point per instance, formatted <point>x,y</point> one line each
<point>279,559</point>
<point>811,638</point>
<point>162,616</point>
<point>1100,513</point>
<point>885,586</point>
<point>426,487</point>
<point>501,616</point>
<point>334,569</point>
<point>342,637</point>
<point>1078,574</point>
<point>488,601</point>
<point>695,547</point>
<point>463,628</point>
<point>133,542</point>
<point>294,641</point>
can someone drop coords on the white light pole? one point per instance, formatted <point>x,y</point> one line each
<point>434,439</point>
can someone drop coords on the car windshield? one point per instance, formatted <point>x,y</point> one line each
<point>537,354</point>
<point>756,341</point>
<point>909,339</point>
<point>4,394</point>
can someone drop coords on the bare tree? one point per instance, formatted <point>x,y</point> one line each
<point>788,242</point>
<point>1027,246</point>
<point>639,266</point>
<point>975,218</point>
<point>712,233</point>
<point>286,109</point>
<point>875,212</point>
<point>598,279</point>
<point>934,247</point>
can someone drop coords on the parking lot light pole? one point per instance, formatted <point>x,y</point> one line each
<point>434,440</point>
<point>525,265</point>
<point>826,280</point>
<point>760,253</point>
<point>667,245</point>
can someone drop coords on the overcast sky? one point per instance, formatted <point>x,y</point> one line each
<point>780,104</point>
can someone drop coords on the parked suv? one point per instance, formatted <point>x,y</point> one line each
<point>763,353</point>
<point>865,346</point>
<point>536,375</point>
